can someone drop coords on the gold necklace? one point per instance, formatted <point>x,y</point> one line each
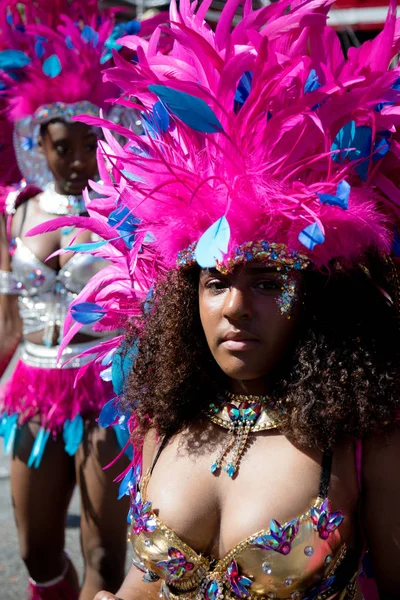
<point>242,415</point>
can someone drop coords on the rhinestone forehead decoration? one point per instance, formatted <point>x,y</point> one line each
<point>278,255</point>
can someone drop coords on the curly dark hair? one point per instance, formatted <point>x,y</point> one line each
<point>340,380</point>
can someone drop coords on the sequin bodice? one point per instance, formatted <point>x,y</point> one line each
<point>44,294</point>
<point>302,559</point>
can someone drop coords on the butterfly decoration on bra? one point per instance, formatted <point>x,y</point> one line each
<point>280,537</point>
<point>176,566</point>
<point>325,520</point>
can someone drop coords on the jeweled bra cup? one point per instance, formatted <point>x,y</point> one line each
<point>303,564</point>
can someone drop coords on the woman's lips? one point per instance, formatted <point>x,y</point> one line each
<point>76,185</point>
<point>239,344</point>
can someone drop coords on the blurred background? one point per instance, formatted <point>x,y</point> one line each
<point>355,21</point>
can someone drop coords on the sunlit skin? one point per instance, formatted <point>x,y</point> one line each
<point>70,152</point>
<point>245,330</point>
<point>277,479</point>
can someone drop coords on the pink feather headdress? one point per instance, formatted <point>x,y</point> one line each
<point>59,52</point>
<point>262,142</point>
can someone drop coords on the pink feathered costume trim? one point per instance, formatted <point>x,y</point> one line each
<point>51,395</point>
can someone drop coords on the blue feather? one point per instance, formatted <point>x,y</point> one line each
<point>312,84</point>
<point>161,116</point>
<point>311,236</point>
<point>213,244</point>
<point>68,42</point>
<point>342,196</point>
<point>3,423</point>
<point>396,243</point>
<point>90,35</point>
<point>148,303</point>
<point>106,374</point>
<point>39,49</point>
<point>127,484</point>
<point>157,121</point>
<point>125,223</point>
<point>52,66</point>
<point>132,176</point>
<point>123,436</point>
<point>13,59</point>
<point>109,414</point>
<point>121,29</point>
<point>108,357</point>
<point>191,110</point>
<point>38,448</point>
<point>122,365</point>
<point>243,90</point>
<point>87,312</point>
<point>87,247</point>
<point>359,138</point>
<point>73,434</point>
<point>381,148</point>
<point>9,432</point>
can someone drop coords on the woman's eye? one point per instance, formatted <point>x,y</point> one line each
<point>91,147</point>
<point>216,285</point>
<point>268,284</point>
<point>61,150</point>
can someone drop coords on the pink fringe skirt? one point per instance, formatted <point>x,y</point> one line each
<point>54,396</point>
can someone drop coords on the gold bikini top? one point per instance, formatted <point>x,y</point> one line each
<point>302,559</point>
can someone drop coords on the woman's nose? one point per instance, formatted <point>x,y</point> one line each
<point>237,304</point>
<point>77,161</point>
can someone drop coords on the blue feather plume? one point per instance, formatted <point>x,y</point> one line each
<point>13,59</point>
<point>9,432</point>
<point>213,244</point>
<point>311,236</point>
<point>52,66</point>
<point>87,312</point>
<point>192,111</point>
<point>38,448</point>
<point>109,414</point>
<point>73,434</point>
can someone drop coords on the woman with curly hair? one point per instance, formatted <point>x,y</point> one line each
<point>250,238</point>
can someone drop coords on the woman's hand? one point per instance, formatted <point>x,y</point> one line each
<point>133,588</point>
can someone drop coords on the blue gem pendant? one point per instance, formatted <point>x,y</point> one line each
<point>231,453</point>
<point>241,415</point>
<point>219,461</point>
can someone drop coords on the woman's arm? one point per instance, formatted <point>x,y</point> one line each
<point>133,588</point>
<point>10,321</point>
<point>381,510</point>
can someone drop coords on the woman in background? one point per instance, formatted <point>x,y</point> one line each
<point>260,290</point>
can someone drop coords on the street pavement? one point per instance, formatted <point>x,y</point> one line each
<point>13,577</point>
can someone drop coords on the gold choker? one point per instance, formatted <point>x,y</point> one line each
<point>242,415</point>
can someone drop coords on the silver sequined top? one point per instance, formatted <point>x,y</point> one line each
<point>44,294</point>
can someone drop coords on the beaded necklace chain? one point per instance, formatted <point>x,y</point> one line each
<point>242,415</point>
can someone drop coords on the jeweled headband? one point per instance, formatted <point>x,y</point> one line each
<point>267,252</point>
<point>61,110</point>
